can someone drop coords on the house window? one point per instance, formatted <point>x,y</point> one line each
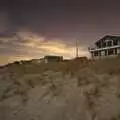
<point>109,43</point>
<point>115,51</point>
<point>105,52</point>
<point>115,42</point>
<point>99,45</point>
<point>92,54</point>
<point>104,44</point>
<point>99,53</point>
<point>110,52</point>
<point>95,53</point>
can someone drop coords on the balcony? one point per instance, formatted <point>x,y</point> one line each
<point>92,49</point>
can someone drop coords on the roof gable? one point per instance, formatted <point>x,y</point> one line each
<point>110,37</point>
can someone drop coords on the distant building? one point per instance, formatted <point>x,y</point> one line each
<point>66,60</point>
<point>48,59</point>
<point>37,61</point>
<point>108,46</point>
<point>82,59</point>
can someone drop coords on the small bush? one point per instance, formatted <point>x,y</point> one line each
<point>82,81</point>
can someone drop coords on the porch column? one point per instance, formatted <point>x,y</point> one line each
<point>100,54</point>
<point>106,52</point>
<point>113,51</point>
<point>92,54</point>
<point>112,43</point>
<point>118,50</point>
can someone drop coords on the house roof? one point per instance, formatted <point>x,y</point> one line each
<point>108,37</point>
<point>52,57</point>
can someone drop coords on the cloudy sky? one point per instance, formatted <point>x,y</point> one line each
<point>34,28</point>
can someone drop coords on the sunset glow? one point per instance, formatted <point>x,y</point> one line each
<point>33,46</point>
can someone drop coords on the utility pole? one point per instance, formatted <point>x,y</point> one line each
<point>77,54</point>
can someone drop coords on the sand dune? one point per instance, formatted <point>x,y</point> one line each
<point>67,91</point>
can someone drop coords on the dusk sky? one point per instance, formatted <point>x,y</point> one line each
<point>34,28</point>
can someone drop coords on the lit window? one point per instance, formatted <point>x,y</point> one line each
<point>109,43</point>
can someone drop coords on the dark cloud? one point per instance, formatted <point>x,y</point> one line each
<point>60,18</point>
